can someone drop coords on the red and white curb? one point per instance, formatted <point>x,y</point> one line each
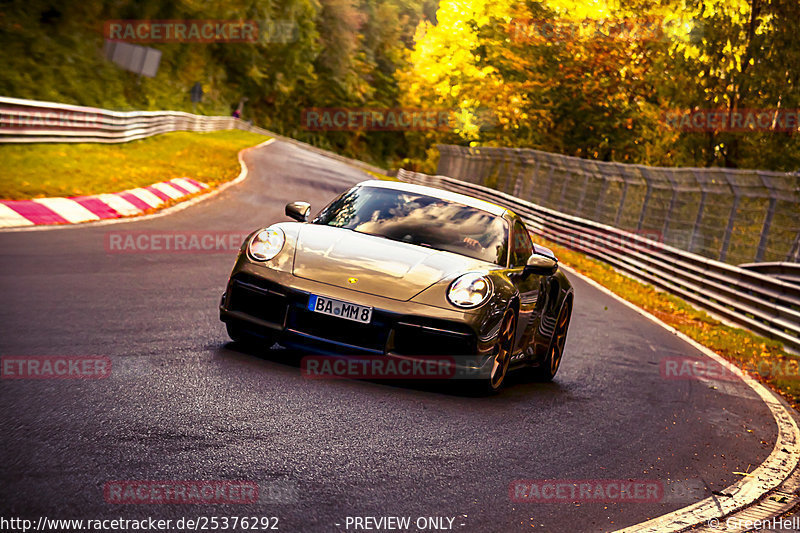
<point>76,209</point>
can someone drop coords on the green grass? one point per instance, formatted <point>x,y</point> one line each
<point>760,357</point>
<point>41,170</point>
<point>378,176</point>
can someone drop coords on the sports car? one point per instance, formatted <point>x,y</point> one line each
<point>396,270</point>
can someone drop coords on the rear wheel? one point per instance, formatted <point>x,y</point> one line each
<point>549,367</point>
<point>505,346</point>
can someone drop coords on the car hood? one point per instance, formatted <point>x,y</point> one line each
<point>380,266</point>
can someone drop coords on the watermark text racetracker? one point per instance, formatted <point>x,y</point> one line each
<point>377,367</point>
<point>50,119</point>
<point>645,239</point>
<point>201,31</point>
<point>586,490</point>
<point>679,368</point>
<point>54,367</point>
<point>180,492</point>
<point>376,119</point>
<point>213,241</point>
<point>733,120</point>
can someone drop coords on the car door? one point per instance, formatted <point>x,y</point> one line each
<point>528,286</point>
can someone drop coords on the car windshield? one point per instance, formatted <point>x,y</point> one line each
<point>422,220</point>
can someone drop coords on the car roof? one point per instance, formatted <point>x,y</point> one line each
<point>438,193</point>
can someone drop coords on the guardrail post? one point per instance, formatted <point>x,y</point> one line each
<point>451,163</point>
<point>454,163</point>
<point>773,200</point>
<point>468,164</point>
<point>483,164</point>
<point>519,179</point>
<point>499,162</point>
<point>445,159</point>
<point>762,242</point>
<point>505,168</point>
<point>464,161</point>
<point>623,195</point>
<point>794,252</point>
<point>551,171</point>
<point>726,240</point>
<point>600,204</point>
<point>486,165</point>
<point>582,196</point>
<point>700,208</point>
<point>563,195</point>
<point>649,184</point>
<point>535,179</point>
<point>673,200</point>
<point>477,164</point>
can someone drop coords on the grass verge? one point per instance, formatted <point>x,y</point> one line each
<point>66,169</point>
<point>760,357</point>
<point>377,176</point>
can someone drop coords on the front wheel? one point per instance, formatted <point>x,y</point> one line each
<point>548,368</point>
<point>501,360</point>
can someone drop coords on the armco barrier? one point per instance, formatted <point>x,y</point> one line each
<point>786,271</point>
<point>762,303</point>
<point>732,215</point>
<point>31,121</point>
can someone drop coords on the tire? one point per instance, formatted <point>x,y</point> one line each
<point>249,340</point>
<point>505,345</point>
<point>547,370</point>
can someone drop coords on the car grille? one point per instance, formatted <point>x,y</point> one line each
<point>258,298</point>
<point>370,336</point>
<point>414,336</point>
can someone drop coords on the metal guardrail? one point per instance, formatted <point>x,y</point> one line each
<point>762,303</point>
<point>735,216</point>
<point>786,271</point>
<point>32,121</point>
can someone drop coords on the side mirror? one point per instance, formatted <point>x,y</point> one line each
<point>543,265</point>
<point>298,211</point>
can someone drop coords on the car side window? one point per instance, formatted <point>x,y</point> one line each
<point>522,247</point>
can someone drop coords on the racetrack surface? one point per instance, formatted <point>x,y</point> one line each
<point>183,403</point>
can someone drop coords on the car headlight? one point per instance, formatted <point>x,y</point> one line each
<point>266,244</point>
<point>470,290</point>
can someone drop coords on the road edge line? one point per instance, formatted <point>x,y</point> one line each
<point>769,475</point>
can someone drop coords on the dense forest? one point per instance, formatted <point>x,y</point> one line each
<point>596,80</point>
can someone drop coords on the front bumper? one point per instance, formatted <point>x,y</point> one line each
<point>274,304</point>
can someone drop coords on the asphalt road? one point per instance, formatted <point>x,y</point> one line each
<point>182,403</point>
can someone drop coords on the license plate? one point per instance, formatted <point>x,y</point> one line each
<point>338,308</point>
